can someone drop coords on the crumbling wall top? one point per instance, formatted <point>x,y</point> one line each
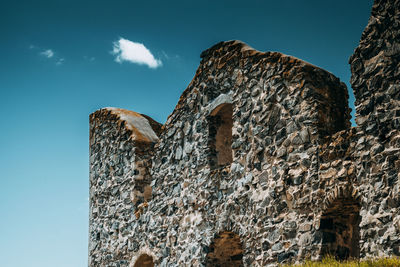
<point>375,67</point>
<point>142,128</point>
<point>245,65</point>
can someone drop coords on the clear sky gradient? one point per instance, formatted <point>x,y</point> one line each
<point>57,67</point>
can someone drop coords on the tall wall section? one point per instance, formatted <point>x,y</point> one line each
<point>121,146</point>
<point>375,67</point>
<point>375,80</point>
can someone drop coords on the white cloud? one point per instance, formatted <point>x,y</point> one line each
<point>91,59</point>
<point>47,53</point>
<point>165,54</point>
<point>125,50</point>
<point>60,61</point>
<point>50,55</point>
<point>169,56</point>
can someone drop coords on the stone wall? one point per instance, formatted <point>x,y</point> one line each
<point>375,67</point>
<point>277,123</point>
<point>257,165</point>
<point>120,160</point>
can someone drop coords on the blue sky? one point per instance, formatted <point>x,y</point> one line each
<point>57,66</point>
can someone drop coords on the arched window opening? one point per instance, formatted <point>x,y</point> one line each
<point>340,229</point>
<point>144,261</point>
<point>225,251</point>
<point>220,136</point>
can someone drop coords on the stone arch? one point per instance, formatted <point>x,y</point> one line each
<point>225,251</point>
<point>340,192</point>
<point>339,224</point>
<point>144,260</point>
<point>220,125</point>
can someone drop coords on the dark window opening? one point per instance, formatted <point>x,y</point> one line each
<point>220,136</point>
<point>225,251</point>
<point>340,229</point>
<point>144,261</point>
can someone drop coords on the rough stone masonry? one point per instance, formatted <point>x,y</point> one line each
<point>258,163</point>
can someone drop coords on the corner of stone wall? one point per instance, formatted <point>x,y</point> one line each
<point>121,150</point>
<point>375,67</point>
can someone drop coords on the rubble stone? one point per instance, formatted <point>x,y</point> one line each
<point>258,163</point>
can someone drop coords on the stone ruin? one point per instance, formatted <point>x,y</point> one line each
<point>257,165</point>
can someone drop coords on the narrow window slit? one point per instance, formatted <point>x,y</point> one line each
<point>220,136</point>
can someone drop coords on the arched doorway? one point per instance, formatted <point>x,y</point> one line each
<point>220,136</point>
<point>340,229</point>
<point>225,251</point>
<point>144,260</point>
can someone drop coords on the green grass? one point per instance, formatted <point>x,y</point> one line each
<point>331,262</point>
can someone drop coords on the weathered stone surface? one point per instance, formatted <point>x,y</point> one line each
<point>375,67</point>
<point>257,165</point>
